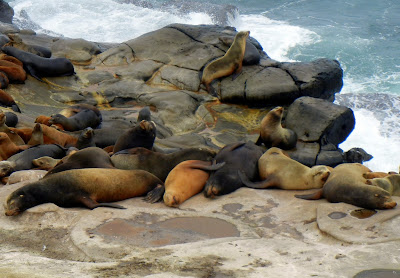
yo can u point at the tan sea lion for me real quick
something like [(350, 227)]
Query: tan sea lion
[(230, 63), (37, 136), (91, 188), (272, 134), (390, 183), (278, 170), (45, 162), (14, 137), (53, 136), (8, 147), (347, 184)]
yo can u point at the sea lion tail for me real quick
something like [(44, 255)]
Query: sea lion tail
[(313, 196), (155, 195)]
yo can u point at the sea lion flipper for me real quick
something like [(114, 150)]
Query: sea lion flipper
[(92, 204), (313, 196), (257, 185), (15, 108), (31, 71), (155, 195), (235, 146), (206, 165)]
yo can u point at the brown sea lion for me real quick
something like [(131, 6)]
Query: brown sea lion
[(91, 188), (79, 121), (15, 73), (53, 136), (3, 80), (141, 135), (86, 139), (237, 157), (91, 157), (42, 119), (37, 136), (8, 147), (272, 134), (278, 170), (346, 184), (45, 162), (159, 164), (230, 63), (390, 183), (11, 59), (7, 100), (186, 180), (14, 137), (25, 133)]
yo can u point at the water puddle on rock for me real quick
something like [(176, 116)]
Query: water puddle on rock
[(379, 273), (172, 231), (362, 213)]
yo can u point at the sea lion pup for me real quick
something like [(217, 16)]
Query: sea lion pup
[(141, 135), (37, 136), (230, 63), (79, 121), (7, 101), (40, 67), (45, 163), (278, 170), (92, 157), (390, 183), (272, 134), (159, 164), (237, 157), (14, 137), (346, 184), (14, 72), (23, 159), (53, 136), (90, 187), (8, 147), (86, 139)]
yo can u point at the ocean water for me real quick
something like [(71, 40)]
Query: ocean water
[(363, 35)]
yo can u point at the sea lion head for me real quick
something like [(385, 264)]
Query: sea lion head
[(221, 182), (6, 168), (56, 119), (18, 201), (243, 34), (171, 200), (320, 174)]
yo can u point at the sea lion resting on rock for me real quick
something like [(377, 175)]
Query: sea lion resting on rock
[(272, 134), (228, 64), (79, 121), (36, 136), (8, 147), (82, 187), (347, 184), (53, 136), (14, 137), (86, 139), (278, 170), (237, 157), (141, 135), (45, 162), (390, 183), (7, 101), (159, 164), (40, 67), (14, 72)]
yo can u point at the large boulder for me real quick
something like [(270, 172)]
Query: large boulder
[(6, 12)]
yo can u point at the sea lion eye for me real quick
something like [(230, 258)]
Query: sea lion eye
[(21, 196)]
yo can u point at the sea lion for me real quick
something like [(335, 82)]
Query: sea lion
[(272, 134), (7, 100), (23, 159), (15, 73), (91, 188), (76, 108), (53, 136), (8, 147), (45, 163), (40, 67), (390, 183), (79, 121), (278, 170), (230, 63), (11, 119), (186, 180), (13, 136), (11, 59), (91, 157), (347, 184), (159, 164), (141, 135), (4, 80), (86, 139), (144, 114), (238, 157), (17, 42), (42, 119), (37, 136)]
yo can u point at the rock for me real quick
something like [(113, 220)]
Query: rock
[(330, 158), (79, 51), (356, 155), (8, 28), (305, 153), (251, 55), (318, 120), (6, 12)]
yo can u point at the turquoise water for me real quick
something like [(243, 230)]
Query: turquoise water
[(363, 35)]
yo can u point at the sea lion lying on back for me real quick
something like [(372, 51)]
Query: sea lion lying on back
[(347, 184)]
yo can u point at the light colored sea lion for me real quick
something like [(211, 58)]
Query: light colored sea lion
[(272, 134), (346, 184), (7, 100), (13, 136), (8, 147), (53, 136), (37, 136), (390, 183), (91, 188), (230, 63), (79, 121), (45, 162), (278, 170), (141, 135)]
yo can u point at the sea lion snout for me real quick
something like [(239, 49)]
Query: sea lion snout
[(211, 191), (170, 200), (389, 205)]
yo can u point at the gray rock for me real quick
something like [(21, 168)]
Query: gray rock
[(330, 158), (305, 153), (139, 70), (6, 12), (180, 78), (79, 51)]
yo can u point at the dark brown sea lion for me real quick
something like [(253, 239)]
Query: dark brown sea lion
[(278, 170), (237, 157), (3, 80), (7, 100), (86, 139), (390, 183), (79, 121), (17, 42), (8, 147), (91, 188), (91, 157), (272, 134), (76, 108), (141, 135), (347, 184), (230, 63), (15, 73), (159, 164), (14, 137), (23, 160), (40, 67)]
